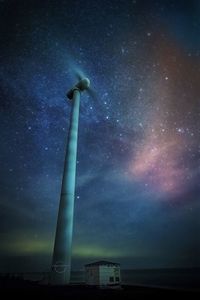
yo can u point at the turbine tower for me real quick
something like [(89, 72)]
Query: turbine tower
[(61, 264)]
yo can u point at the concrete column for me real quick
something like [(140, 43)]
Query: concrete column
[(61, 264)]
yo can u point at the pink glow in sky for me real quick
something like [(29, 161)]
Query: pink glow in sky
[(157, 163)]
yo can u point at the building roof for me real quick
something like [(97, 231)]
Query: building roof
[(102, 263)]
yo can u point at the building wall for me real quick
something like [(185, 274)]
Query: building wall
[(92, 275), (109, 275)]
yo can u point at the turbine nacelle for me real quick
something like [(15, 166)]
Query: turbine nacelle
[(82, 85)]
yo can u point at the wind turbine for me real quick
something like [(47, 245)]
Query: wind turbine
[(61, 263)]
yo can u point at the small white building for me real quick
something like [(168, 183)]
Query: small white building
[(103, 273)]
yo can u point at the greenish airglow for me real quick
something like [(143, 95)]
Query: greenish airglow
[(26, 246), (95, 252)]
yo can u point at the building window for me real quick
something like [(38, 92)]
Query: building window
[(111, 279), (117, 279)]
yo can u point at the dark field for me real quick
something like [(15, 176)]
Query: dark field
[(22, 289), (164, 282), (168, 278)]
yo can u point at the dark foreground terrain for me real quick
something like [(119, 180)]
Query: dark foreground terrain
[(24, 289)]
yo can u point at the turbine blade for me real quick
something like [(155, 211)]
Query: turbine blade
[(78, 76)]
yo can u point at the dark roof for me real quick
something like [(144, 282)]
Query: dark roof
[(102, 263)]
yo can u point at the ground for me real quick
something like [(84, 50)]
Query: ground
[(18, 287)]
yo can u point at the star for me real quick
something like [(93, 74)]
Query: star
[(138, 138)]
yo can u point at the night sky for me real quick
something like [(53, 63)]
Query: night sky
[(138, 168)]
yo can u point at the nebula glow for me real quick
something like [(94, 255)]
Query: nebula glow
[(157, 163), (138, 167)]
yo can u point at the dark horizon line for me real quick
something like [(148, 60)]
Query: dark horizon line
[(123, 269)]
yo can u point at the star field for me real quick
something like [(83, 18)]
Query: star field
[(137, 195)]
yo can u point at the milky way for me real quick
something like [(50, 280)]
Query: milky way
[(137, 195)]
